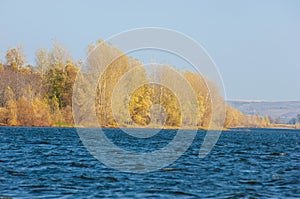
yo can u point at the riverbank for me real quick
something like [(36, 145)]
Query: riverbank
[(286, 126), (272, 126)]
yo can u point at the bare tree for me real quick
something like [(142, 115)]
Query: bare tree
[(59, 56), (41, 59), (15, 57)]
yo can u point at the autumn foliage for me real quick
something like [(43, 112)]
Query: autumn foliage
[(41, 95)]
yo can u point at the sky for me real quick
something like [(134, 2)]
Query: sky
[(255, 44)]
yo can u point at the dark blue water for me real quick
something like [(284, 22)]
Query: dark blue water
[(53, 163)]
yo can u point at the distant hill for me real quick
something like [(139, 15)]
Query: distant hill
[(280, 112)]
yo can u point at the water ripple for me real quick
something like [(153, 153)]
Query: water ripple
[(53, 163)]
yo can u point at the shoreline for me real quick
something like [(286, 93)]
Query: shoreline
[(274, 126)]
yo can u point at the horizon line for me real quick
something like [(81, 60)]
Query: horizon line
[(249, 100)]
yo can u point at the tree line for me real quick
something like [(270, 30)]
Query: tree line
[(41, 95)]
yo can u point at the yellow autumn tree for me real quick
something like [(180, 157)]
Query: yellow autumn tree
[(12, 108), (41, 110)]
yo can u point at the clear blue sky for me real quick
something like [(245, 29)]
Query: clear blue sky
[(255, 43)]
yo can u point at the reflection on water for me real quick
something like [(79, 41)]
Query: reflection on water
[(51, 163)]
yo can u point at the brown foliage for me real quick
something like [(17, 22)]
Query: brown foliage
[(25, 113)]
